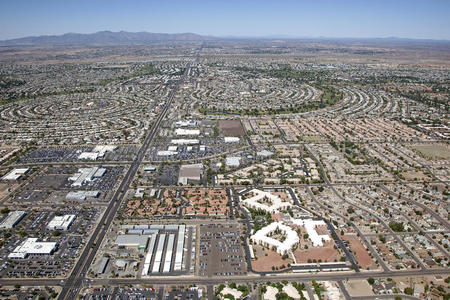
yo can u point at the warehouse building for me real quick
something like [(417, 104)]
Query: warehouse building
[(185, 132), (85, 175), (13, 218), (97, 152), (81, 195), (132, 241), (15, 174), (190, 173), (185, 142), (231, 139)]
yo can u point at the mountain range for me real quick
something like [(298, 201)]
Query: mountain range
[(133, 38), (103, 38)]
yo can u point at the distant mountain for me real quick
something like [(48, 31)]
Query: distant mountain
[(103, 38)]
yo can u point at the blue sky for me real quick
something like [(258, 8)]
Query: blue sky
[(327, 18)]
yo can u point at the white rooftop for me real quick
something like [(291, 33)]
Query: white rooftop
[(32, 246), (61, 222), (261, 200), (262, 236), (15, 174), (310, 226)]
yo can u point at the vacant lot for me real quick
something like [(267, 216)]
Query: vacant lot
[(364, 259), (266, 259), (435, 151), (231, 128), (327, 253)]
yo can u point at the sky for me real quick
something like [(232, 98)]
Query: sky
[(424, 19)]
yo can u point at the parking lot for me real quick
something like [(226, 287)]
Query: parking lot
[(220, 250), (34, 224), (121, 153)]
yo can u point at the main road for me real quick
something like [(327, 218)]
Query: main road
[(73, 284)]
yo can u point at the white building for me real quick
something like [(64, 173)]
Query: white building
[(231, 139), (185, 141), (81, 195), (61, 222), (265, 201), (98, 151), (15, 174), (185, 132), (32, 247), (188, 123), (85, 175), (310, 226), (233, 161), (13, 218), (263, 237), (190, 173), (166, 153)]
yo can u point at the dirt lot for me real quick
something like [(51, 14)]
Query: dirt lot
[(327, 253), (413, 175), (231, 128), (265, 263), (359, 288), (435, 151), (363, 257)]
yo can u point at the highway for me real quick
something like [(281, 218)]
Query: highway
[(74, 283)]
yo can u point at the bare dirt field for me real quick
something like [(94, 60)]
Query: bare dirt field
[(413, 175), (327, 253), (435, 151), (359, 288), (265, 263), (231, 128), (363, 257)]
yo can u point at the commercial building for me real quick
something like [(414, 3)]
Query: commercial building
[(185, 132), (15, 174), (81, 195), (166, 153), (132, 241), (61, 222), (13, 218), (98, 151), (32, 247), (190, 173), (264, 153), (231, 139), (85, 175), (103, 265), (185, 142), (233, 162), (186, 123)]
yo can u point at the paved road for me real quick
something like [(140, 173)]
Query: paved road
[(183, 280), (344, 290), (361, 236), (74, 282)]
